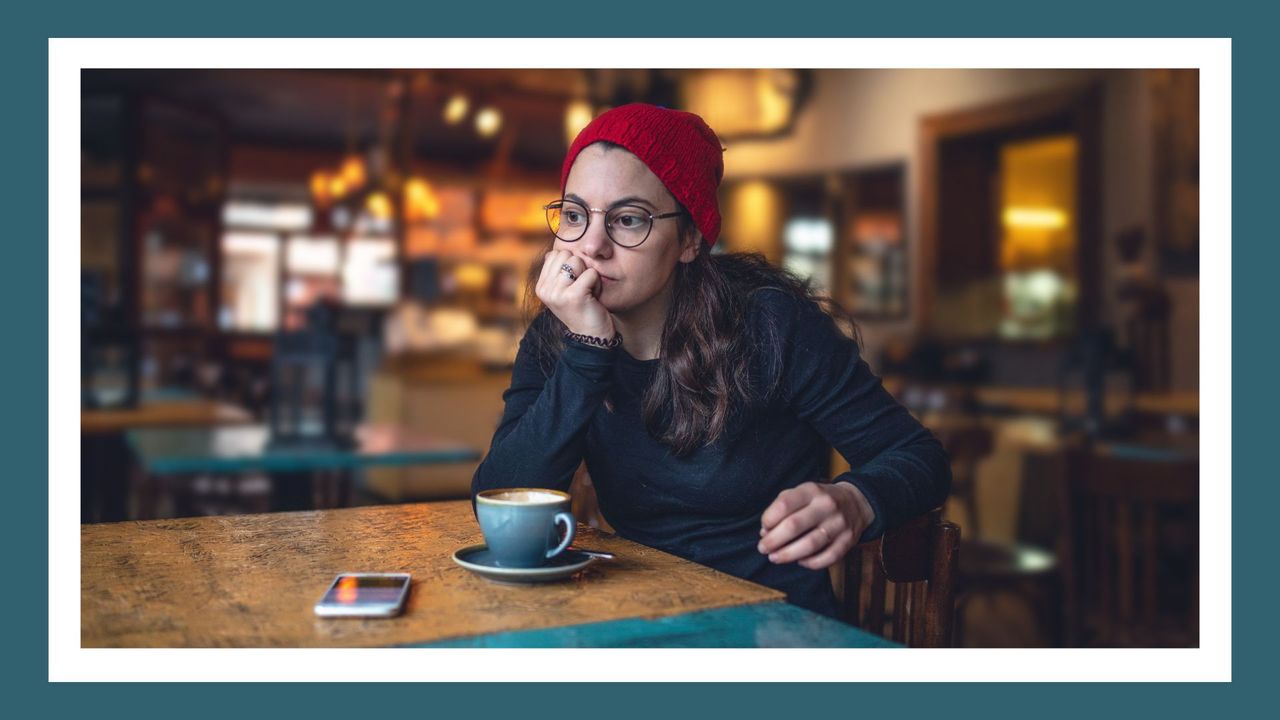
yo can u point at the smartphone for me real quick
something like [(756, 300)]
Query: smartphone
[(365, 595)]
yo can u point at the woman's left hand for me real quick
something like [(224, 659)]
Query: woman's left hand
[(814, 524)]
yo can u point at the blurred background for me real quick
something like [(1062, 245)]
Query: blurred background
[(301, 288)]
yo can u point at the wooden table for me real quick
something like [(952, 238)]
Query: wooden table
[(251, 581), (166, 413)]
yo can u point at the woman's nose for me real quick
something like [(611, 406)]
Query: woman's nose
[(595, 242)]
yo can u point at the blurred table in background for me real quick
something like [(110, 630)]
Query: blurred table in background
[(1048, 401), (1018, 482), (163, 453), (1042, 400), (104, 459), (460, 401), (1043, 468), (251, 581), (163, 413)]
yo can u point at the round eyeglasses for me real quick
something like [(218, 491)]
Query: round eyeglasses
[(626, 225)]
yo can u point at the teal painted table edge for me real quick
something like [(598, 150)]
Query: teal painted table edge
[(182, 451), (762, 625)]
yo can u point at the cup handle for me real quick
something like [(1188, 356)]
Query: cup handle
[(569, 527)]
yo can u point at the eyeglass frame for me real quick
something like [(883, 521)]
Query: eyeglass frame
[(591, 211)]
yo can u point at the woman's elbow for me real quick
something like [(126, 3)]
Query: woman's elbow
[(942, 480), (480, 480), (939, 464)]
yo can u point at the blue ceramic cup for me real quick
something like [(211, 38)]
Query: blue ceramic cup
[(520, 525)]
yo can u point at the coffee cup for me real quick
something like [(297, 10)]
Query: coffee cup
[(520, 525)]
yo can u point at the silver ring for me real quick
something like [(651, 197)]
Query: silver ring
[(567, 270), (825, 535)]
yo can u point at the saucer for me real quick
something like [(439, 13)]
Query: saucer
[(479, 560)]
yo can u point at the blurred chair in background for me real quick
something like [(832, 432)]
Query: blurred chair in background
[(1147, 309), (316, 399), (314, 383), (110, 350), (967, 445), (1103, 370), (109, 378), (986, 567), (1131, 550)]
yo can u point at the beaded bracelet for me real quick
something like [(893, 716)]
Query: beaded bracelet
[(594, 341)]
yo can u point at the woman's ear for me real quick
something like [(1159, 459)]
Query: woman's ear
[(692, 244)]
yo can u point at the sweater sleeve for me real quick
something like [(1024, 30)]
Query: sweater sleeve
[(895, 461), (540, 438)]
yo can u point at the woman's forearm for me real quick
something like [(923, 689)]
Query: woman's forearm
[(539, 442), (905, 481)]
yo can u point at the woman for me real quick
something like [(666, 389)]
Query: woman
[(703, 391)]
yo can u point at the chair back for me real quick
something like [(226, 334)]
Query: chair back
[(902, 585), (967, 445), (1130, 551), (315, 397)]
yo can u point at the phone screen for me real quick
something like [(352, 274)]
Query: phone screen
[(355, 592)]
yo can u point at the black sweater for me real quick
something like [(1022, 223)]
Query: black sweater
[(706, 506)]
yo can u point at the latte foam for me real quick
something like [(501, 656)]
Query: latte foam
[(536, 497)]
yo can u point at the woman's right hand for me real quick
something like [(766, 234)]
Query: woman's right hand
[(575, 302)]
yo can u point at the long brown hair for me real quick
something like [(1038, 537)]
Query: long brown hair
[(708, 350)]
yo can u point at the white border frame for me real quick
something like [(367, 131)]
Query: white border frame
[(1212, 661)]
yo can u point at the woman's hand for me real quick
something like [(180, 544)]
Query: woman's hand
[(814, 523), (574, 301)]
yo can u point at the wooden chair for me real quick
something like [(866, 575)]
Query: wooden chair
[(967, 445), (988, 568), (1131, 550), (315, 383), (902, 585)]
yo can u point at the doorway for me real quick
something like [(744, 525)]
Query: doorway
[(1010, 219)]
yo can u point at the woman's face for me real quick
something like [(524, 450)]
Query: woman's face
[(631, 277)]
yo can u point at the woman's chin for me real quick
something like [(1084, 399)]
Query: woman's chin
[(612, 303)]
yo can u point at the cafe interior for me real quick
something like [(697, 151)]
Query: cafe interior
[(302, 296)]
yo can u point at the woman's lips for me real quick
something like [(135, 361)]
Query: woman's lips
[(602, 275)]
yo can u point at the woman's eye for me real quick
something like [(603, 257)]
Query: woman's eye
[(573, 217), (628, 221)]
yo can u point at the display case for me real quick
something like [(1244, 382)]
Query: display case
[(181, 180), (153, 176), (871, 268)]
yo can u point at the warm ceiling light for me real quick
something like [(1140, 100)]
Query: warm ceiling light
[(488, 122), (456, 109), (337, 186), (1035, 217), (353, 171), (738, 102), (576, 117), (379, 205), (420, 202), (320, 187)]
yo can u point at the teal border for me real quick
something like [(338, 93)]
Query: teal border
[(23, 294)]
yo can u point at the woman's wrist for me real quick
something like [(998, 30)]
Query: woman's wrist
[(864, 512), (604, 343)]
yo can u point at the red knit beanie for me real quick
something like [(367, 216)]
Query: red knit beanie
[(676, 146)]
